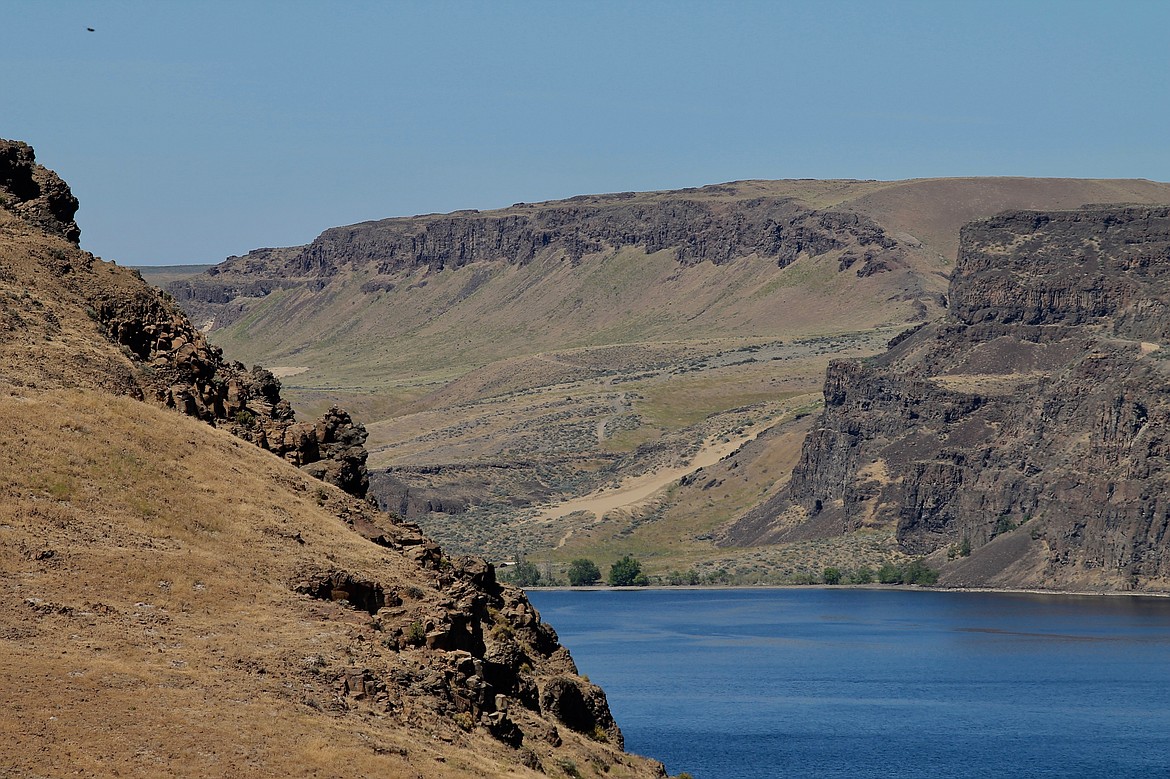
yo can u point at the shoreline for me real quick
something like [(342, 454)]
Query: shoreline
[(890, 587)]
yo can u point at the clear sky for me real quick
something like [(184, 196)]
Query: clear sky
[(195, 130)]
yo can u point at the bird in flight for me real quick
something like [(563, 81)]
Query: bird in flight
[(90, 29)]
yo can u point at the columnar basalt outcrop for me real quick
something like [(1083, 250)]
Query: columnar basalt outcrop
[(1028, 426), (697, 229)]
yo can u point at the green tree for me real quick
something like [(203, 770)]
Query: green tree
[(918, 572), (583, 572), (890, 574), (1003, 525), (523, 574), (832, 575), (863, 575), (627, 572)]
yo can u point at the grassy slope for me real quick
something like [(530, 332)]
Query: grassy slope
[(148, 623)]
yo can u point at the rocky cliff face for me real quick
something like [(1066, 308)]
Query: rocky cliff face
[(432, 644), (180, 370), (1028, 425), (697, 229)]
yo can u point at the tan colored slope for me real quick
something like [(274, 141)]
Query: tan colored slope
[(933, 210), (428, 330), (47, 335), (175, 601), (149, 624)]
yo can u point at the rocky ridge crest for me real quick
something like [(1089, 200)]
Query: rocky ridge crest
[(35, 193)]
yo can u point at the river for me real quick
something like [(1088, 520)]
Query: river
[(807, 682)]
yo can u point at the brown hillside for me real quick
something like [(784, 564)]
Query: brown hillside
[(186, 592)]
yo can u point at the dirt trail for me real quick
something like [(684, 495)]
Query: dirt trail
[(635, 490), (620, 403)]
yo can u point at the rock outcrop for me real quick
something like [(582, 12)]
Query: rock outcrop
[(35, 193), (1027, 426), (485, 655), (171, 364)]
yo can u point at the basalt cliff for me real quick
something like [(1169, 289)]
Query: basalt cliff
[(194, 582), (715, 224), (1021, 440)]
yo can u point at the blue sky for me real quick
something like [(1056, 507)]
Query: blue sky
[(191, 131)]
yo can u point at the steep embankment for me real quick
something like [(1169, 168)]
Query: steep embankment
[(421, 295), (180, 601), (1027, 426)]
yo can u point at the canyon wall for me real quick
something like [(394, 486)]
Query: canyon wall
[(1027, 427)]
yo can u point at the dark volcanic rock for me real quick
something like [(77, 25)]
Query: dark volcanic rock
[(180, 370), (35, 193), (1030, 424), (1067, 268), (698, 230)]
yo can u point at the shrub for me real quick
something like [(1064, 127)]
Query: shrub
[(416, 633), (863, 575), (1003, 525), (832, 575), (583, 572), (918, 572), (679, 578), (245, 417), (889, 574), (523, 574), (627, 572), (569, 767)]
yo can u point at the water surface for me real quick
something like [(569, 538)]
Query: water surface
[(803, 682)]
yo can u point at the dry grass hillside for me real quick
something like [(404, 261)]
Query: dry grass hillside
[(151, 625), (505, 369), (177, 601)]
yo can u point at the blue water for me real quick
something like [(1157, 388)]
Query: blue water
[(741, 684)]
